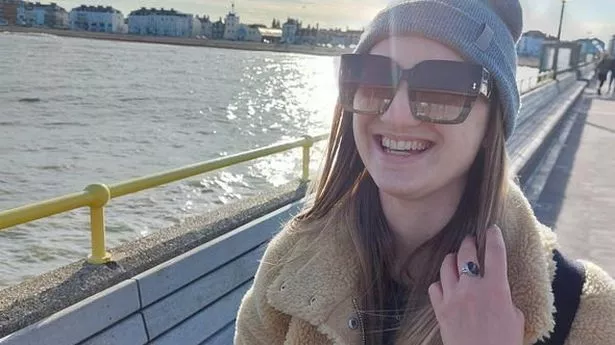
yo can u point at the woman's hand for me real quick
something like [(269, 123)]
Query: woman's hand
[(474, 310)]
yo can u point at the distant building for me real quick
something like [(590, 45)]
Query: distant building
[(206, 26), (590, 49), (612, 46), (52, 15), (163, 23), (307, 35), (337, 37), (232, 26), (289, 31), (269, 35), (96, 19), (531, 42), (234, 30), (218, 29), (12, 12)]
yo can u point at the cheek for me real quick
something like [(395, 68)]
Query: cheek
[(359, 129), (467, 136)]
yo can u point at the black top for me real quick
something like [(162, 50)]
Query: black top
[(395, 308)]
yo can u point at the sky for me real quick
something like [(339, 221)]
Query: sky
[(583, 18)]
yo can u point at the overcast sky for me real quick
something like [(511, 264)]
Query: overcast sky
[(582, 17)]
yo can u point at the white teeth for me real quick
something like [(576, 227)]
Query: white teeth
[(414, 145)]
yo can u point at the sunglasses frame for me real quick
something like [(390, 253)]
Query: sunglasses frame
[(480, 79)]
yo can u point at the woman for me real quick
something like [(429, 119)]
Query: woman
[(401, 243)]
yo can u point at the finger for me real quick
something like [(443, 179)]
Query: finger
[(435, 294), (495, 254), (448, 274), (467, 253)]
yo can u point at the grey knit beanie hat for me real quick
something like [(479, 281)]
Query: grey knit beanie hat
[(482, 31)]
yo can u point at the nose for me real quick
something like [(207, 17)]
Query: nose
[(399, 112)]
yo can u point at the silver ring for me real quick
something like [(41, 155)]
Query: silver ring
[(470, 268)]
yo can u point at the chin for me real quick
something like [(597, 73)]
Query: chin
[(404, 189)]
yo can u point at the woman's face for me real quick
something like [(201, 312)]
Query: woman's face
[(409, 158)]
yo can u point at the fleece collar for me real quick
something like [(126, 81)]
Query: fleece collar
[(321, 287)]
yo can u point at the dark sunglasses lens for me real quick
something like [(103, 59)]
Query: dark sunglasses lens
[(365, 99), (367, 83), (437, 106)]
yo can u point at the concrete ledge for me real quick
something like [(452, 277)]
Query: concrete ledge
[(528, 148), (81, 320), (42, 296), (525, 159)]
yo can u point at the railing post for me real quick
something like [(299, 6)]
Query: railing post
[(309, 141), (100, 196)]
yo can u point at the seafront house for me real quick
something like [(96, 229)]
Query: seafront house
[(530, 44), (12, 12), (217, 29), (47, 15), (163, 22), (16, 12), (206, 26), (234, 30), (337, 37), (97, 19), (289, 31)]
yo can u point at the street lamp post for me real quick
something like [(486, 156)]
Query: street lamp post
[(559, 34)]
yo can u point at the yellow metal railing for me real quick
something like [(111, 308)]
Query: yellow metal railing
[(96, 196)]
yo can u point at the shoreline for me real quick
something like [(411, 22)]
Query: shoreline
[(181, 41)]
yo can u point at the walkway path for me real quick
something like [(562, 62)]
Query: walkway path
[(579, 198)]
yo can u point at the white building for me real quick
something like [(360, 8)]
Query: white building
[(269, 35), (52, 15), (96, 19), (206, 26), (232, 26), (163, 23), (234, 30), (289, 31)]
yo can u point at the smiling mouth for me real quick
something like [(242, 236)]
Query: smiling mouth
[(404, 147)]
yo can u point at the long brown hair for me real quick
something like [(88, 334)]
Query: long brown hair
[(345, 184)]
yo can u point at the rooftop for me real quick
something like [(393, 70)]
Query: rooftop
[(101, 9), (157, 12), (52, 6), (267, 32)]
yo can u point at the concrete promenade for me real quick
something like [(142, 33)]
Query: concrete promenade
[(579, 198)]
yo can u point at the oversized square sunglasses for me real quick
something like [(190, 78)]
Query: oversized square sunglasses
[(439, 91)]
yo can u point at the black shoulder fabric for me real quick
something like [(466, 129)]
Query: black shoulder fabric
[(567, 287)]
